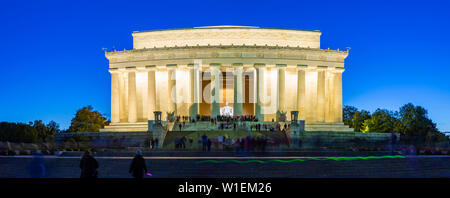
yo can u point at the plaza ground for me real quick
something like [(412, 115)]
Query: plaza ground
[(230, 166)]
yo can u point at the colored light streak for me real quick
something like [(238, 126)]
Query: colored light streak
[(302, 159)]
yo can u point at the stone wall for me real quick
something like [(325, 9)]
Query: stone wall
[(340, 139), (110, 139)]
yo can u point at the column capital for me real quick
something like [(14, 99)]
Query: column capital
[(322, 67), (194, 66), (150, 67), (161, 67), (301, 66), (114, 70), (237, 65), (337, 70), (171, 66), (182, 66), (141, 69), (215, 64), (259, 65), (310, 68), (130, 68)]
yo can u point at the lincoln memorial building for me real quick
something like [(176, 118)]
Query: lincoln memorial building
[(229, 71)]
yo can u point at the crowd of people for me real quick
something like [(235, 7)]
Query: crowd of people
[(229, 122), (219, 118), (180, 143), (222, 142), (269, 127)]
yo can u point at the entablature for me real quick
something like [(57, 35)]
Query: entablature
[(226, 52)]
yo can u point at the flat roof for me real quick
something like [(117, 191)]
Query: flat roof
[(225, 27)]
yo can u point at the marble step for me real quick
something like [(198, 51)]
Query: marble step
[(328, 127)]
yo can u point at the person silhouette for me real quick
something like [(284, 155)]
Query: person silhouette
[(37, 167), (88, 165), (138, 167)]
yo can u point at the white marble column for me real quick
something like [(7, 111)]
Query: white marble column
[(259, 111), (142, 94), (194, 90), (281, 89), (238, 90), (172, 89), (162, 91), (151, 93), (329, 96), (182, 90), (215, 91), (301, 97), (115, 96), (338, 97), (320, 116), (270, 93), (132, 98), (123, 98), (311, 78)]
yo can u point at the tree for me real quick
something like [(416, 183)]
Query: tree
[(87, 120), (381, 120), (17, 132), (416, 127), (52, 128), (45, 132), (348, 114), (359, 118), (354, 118)]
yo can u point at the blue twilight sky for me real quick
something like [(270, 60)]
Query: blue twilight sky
[(52, 63)]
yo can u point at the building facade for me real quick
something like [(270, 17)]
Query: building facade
[(238, 70)]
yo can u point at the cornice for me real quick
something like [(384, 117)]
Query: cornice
[(230, 51)]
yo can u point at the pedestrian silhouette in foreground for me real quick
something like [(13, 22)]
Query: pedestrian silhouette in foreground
[(138, 167), (37, 167), (88, 165)]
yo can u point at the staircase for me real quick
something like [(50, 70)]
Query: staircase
[(340, 127), (126, 127), (197, 126)]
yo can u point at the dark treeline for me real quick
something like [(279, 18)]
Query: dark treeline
[(86, 119), (410, 121), (32, 132)]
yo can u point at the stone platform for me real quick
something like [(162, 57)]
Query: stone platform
[(126, 127), (208, 126), (335, 127)]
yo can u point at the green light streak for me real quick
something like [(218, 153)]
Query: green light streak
[(301, 159)]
